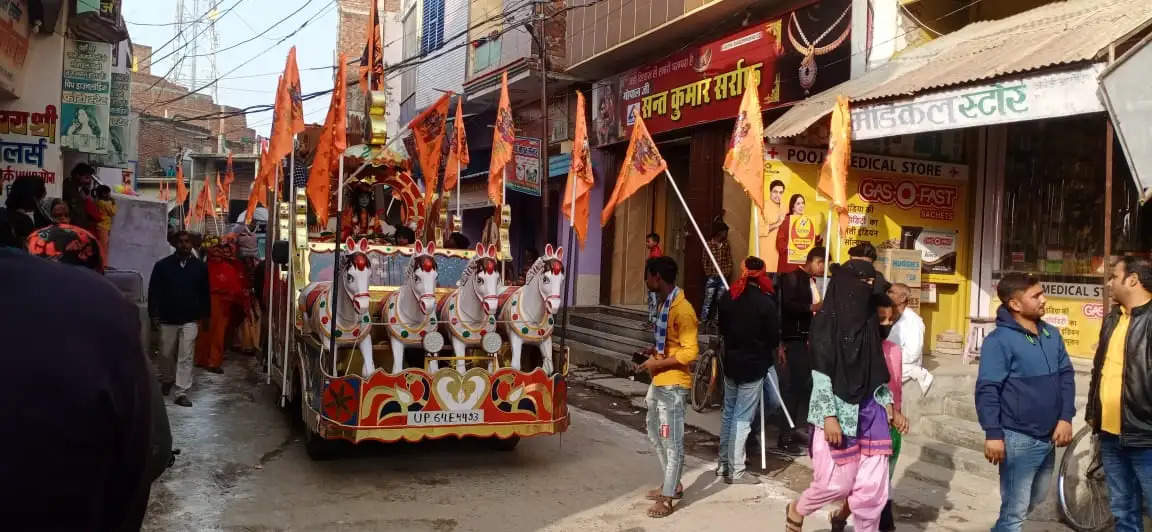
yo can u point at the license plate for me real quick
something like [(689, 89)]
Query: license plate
[(463, 417)]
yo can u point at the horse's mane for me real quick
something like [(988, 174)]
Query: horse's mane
[(473, 268), (539, 267), (414, 264)]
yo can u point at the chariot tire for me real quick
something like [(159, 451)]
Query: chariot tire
[(504, 444), (320, 449)]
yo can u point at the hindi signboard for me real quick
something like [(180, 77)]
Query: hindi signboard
[(13, 44), (705, 83), (527, 178), (1051, 95), (86, 96)]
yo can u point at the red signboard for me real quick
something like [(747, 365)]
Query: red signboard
[(800, 53)]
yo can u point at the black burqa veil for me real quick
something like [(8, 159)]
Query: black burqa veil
[(846, 332)]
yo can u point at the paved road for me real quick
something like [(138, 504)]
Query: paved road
[(243, 467)]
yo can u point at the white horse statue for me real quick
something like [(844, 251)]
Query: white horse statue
[(409, 312), (353, 323), (469, 314), (528, 314)]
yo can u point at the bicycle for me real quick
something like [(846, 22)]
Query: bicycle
[(1083, 486), (706, 388)]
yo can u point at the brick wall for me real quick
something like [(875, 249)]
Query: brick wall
[(447, 71), (143, 56), (149, 92), (351, 34), (160, 137)]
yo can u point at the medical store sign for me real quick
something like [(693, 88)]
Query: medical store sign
[(1049, 95)]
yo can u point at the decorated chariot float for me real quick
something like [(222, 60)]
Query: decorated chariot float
[(430, 342)]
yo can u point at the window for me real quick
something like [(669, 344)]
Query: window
[(486, 56), (432, 36)]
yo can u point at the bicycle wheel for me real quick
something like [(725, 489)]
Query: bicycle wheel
[(704, 381), (1083, 486)]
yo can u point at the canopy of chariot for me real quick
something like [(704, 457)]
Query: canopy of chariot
[(430, 341)]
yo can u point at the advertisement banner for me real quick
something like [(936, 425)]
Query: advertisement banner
[(13, 44), (1077, 309), (795, 55), (122, 142), (802, 238), (86, 96), (892, 203), (527, 156)]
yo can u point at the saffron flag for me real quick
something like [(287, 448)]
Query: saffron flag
[(163, 195), (642, 163), (503, 138), (745, 159), (224, 188), (203, 204), (457, 149), (220, 193), (834, 174), (580, 178), (373, 57), (428, 130), (288, 115), (329, 149), (181, 190), (259, 191)]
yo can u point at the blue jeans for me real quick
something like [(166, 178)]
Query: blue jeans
[(1129, 471), (713, 285), (666, 432), (771, 403), (1024, 478), (740, 403)]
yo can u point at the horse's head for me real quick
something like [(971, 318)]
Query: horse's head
[(357, 271), (486, 283), (552, 278), (422, 276)]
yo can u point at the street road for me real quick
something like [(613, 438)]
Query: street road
[(243, 467)]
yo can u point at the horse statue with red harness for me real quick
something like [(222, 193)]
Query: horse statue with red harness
[(528, 314), (468, 315), (410, 312), (353, 323)]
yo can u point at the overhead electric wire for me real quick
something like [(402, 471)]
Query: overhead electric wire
[(257, 36)]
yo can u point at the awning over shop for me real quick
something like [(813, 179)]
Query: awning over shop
[(1070, 34)]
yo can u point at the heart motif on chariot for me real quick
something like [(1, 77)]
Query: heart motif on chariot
[(460, 392)]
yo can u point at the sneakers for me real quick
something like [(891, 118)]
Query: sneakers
[(183, 401), (927, 384), (747, 479)]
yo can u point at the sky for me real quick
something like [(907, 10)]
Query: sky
[(253, 83)]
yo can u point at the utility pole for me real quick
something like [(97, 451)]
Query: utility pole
[(537, 33)]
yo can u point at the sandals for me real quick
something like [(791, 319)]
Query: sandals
[(838, 525), (662, 508), (790, 525)]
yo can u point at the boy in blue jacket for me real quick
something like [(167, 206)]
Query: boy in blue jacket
[(1024, 397)]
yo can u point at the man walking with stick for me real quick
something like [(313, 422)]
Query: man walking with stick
[(749, 322)]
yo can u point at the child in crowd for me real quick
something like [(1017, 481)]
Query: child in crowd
[(107, 207)]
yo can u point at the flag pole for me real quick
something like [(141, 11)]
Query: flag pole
[(826, 248), (756, 230), (270, 269), (336, 264), (699, 233), (500, 218), (568, 273), (288, 310)]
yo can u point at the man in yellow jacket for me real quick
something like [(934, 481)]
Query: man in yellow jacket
[(669, 362)]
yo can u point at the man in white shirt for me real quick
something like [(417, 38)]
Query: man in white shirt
[(908, 333)]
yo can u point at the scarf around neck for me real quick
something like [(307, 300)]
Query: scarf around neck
[(661, 332)]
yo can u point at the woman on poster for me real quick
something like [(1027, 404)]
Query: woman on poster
[(798, 234)]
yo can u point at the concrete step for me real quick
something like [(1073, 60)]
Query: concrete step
[(951, 430), (611, 323), (961, 406), (620, 312), (947, 457), (606, 360), (607, 340)]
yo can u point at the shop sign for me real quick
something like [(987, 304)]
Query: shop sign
[(1049, 95), (86, 96), (13, 43), (119, 126), (893, 202), (1124, 88), (527, 178), (1077, 309), (1091, 292), (798, 54)]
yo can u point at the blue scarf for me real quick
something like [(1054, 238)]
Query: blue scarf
[(662, 322)]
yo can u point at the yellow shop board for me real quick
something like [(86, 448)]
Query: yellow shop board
[(893, 203), (1077, 309)]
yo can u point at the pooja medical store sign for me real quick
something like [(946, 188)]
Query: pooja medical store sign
[(1051, 95), (800, 53), (892, 203)]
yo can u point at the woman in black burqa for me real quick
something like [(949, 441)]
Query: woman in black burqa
[(850, 406)]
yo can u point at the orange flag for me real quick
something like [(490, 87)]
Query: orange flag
[(163, 195), (834, 174), (220, 195), (203, 204), (503, 139), (329, 149), (181, 190), (373, 56), (457, 149), (224, 188), (580, 178), (428, 130), (642, 163), (288, 116), (745, 159), (259, 191)]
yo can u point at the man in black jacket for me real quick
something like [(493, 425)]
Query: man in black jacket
[(749, 322), (800, 299), (1120, 393), (177, 299)]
